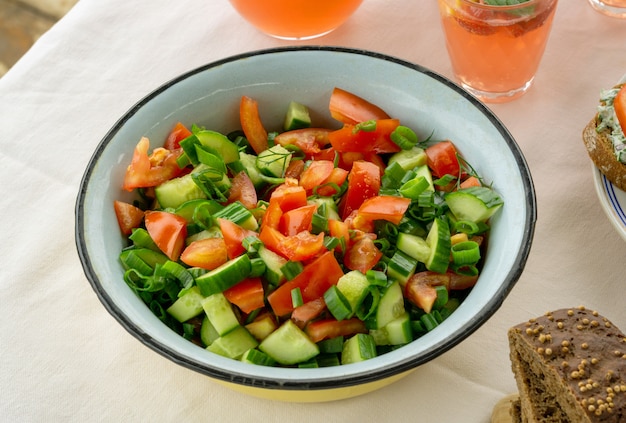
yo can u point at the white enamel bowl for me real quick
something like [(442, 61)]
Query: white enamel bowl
[(210, 96)]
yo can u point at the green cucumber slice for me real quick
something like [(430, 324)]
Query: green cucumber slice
[(409, 159), (358, 348), (390, 307), (438, 240), (476, 204), (225, 276), (273, 161), (289, 345), (175, 192), (413, 246), (219, 144), (188, 305), (233, 344), (220, 313), (297, 116)]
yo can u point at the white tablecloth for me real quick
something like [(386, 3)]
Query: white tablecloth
[(64, 358)]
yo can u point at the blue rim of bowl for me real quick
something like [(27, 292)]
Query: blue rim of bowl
[(327, 383)]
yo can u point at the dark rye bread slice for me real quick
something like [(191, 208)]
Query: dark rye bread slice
[(600, 150), (570, 367)]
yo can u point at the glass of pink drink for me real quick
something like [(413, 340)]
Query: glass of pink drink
[(615, 8), (296, 19), (495, 51)]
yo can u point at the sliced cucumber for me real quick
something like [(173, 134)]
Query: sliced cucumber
[(289, 345), (208, 334), (233, 344), (273, 265), (409, 159), (354, 286), (261, 328), (147, 256), (401, 267), (220, 313), (219, 144), (396, 332), (358, 348), (175, 192), (390, 307), (414, 246), (274, 161), (187, 209), (225, 276), (188, 305), (438, 240), (476, 204), (249, 163), (239, 214), (425, 172), (297, 116)]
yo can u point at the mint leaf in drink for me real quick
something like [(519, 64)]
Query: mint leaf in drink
[(504, 2)]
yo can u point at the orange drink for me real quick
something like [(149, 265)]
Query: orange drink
[(296, 19), (495, 50), (615, 8)]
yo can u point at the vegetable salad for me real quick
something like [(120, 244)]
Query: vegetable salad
[(310, 247)]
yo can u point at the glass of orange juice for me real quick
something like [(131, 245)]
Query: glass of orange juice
[(495, 50), (296, 19), (615, 8)]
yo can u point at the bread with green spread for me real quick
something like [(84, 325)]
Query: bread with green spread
[(605, 141)]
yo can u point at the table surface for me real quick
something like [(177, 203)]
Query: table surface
[(64, 358)]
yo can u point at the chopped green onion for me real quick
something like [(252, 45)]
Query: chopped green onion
[(141, 239), (327, 360), (429, 321), (208, 157), (296, 297), (466, 226), (337, 303), (369, 303), (331, 242), (291, 269), (131, 260), (257, 267), (444, 180), (394, 173), (404, 137), (179, 272), (319, 224), (465, 253), (442, 297), (414, 187), (376, 277), (332, 345), (465, 270), (208, 181), (251, 243), (367, 126)]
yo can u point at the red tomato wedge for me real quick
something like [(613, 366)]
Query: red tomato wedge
[(620, 107), (168, 231), (330, 328), (363, 183), (350, 108), (420, 290), (302, 246), (128, 216), (303, 314), (248, 295), (363, 255), (315, 175), (208, 253), (251, 124), (289, 197), (384, 207), (472, 181), (233, 236), (337, 177), (242, 190), (271, 216), (178, 133), (149, 171), (309, 140), (378, 140), (442, 159), (297, 220), (313, 281)]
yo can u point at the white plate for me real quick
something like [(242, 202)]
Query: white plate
[(612, 199)]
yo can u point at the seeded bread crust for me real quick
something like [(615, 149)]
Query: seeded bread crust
[(600, 150), (570, 367)]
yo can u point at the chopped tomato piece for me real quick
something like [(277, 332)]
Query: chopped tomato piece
[(233, 236), (272, 238), (302, 246), (271, 216), (208, 253), (350, 108), (363, 255), (168, 231), (248, 295), (317, 172), (242, 190), (420, 290), (309, 140), (442, 159), (149, 171), (378, 140), (459, 282), (303, 314), (619, 104), (297, 220), (331, 328), (295, 169), (289, 197), (128, 216), (251, 124), (384, 207), (178, 133), (363, 183), (472, 181), (337, 177), (313, 281), (339, 229)]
